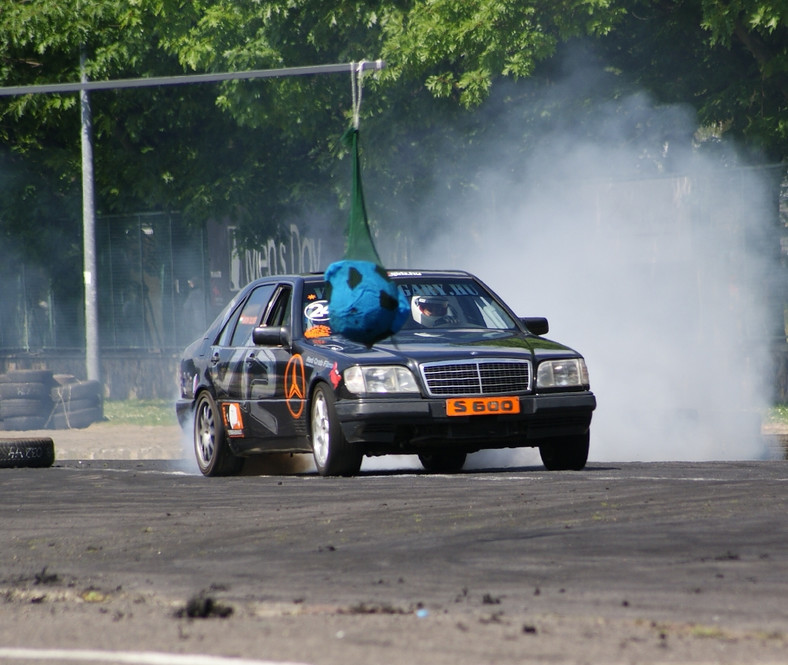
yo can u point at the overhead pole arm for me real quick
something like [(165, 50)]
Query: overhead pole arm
[(184, 79)]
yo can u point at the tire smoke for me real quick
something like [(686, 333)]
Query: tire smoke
[(653, 258)]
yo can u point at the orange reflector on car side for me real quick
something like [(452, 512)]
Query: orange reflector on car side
[(233, 419)]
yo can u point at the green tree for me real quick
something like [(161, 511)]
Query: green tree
[(461, 46), (259, 152), (729, 60)]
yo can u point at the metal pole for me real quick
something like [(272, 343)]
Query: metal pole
[(84, 84), (92, 360)]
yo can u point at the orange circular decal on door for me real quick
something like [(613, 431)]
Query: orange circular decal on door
[(295, 385)]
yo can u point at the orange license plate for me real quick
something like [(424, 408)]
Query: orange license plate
[(480, 406)]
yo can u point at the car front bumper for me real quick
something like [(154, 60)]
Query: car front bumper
[(406, 425)]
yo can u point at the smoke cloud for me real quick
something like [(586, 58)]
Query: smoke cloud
[(648, 256)]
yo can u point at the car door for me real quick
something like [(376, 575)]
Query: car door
[(231, 379), (287, 406)]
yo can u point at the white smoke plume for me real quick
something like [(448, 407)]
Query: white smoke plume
[(647, 257)]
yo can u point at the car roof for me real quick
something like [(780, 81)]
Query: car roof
[(393, 273)]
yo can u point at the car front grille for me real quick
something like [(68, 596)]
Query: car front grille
[(497, 376)]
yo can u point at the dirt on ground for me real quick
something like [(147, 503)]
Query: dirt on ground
[(108, 441), (78, 614), (776, 436), (112, 442)]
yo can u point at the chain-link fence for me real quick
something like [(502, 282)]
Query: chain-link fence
[(161, 282), (151, 290)]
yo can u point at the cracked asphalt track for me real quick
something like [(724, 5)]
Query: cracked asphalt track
[(660, 562)]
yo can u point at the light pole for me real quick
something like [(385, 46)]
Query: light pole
[(92, 356)]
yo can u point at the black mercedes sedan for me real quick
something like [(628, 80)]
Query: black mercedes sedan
[(463, 374)]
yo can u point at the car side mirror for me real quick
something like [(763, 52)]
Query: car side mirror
[(537, 325), (272, 336)]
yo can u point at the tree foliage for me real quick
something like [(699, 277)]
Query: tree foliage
[(760, 29), (259, 152), (728, 60), (461, 46)]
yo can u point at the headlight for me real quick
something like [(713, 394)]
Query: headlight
[(379, 379), (565, 373)]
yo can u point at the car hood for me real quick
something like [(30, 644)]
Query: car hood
[(431, 345)]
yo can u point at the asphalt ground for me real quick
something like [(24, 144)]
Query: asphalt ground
[(124, 560)]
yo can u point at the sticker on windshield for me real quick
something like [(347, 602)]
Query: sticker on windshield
[(316, 319), (464, 288)]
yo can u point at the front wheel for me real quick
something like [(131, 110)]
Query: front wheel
[(568, 453), (214, 456), (334, 456)]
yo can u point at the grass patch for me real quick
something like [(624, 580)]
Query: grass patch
[(777, 415), (140, 412)]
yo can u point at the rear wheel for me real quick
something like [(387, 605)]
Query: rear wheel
[(334, 456), (568, 453), (443, 461), (214, 456)]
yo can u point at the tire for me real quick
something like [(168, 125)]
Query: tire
[(566, 453), (27, 390), (24, 423), (73, 391), (76, 419), (31, 376), (334, 456), (443, 461), (213, 454), (22, 406), (75, 405), (26, 452)]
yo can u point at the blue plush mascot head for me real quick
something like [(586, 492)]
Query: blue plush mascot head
[(364, 304)]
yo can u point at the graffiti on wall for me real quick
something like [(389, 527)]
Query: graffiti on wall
[(295, 253)]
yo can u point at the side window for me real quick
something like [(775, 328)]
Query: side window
[(251, 313), (227, 331), (494, 316), (280, 311)]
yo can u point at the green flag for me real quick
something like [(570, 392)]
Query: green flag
[(358, 239)]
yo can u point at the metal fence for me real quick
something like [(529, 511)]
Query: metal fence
[(151, 290), (161, 282)]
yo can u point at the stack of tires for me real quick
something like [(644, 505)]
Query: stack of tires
[(26, 399), (32, 399), (76, 404)]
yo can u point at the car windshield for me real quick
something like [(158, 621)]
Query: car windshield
[(434, 302)]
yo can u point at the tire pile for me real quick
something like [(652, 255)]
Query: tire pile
[(32, 399)]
